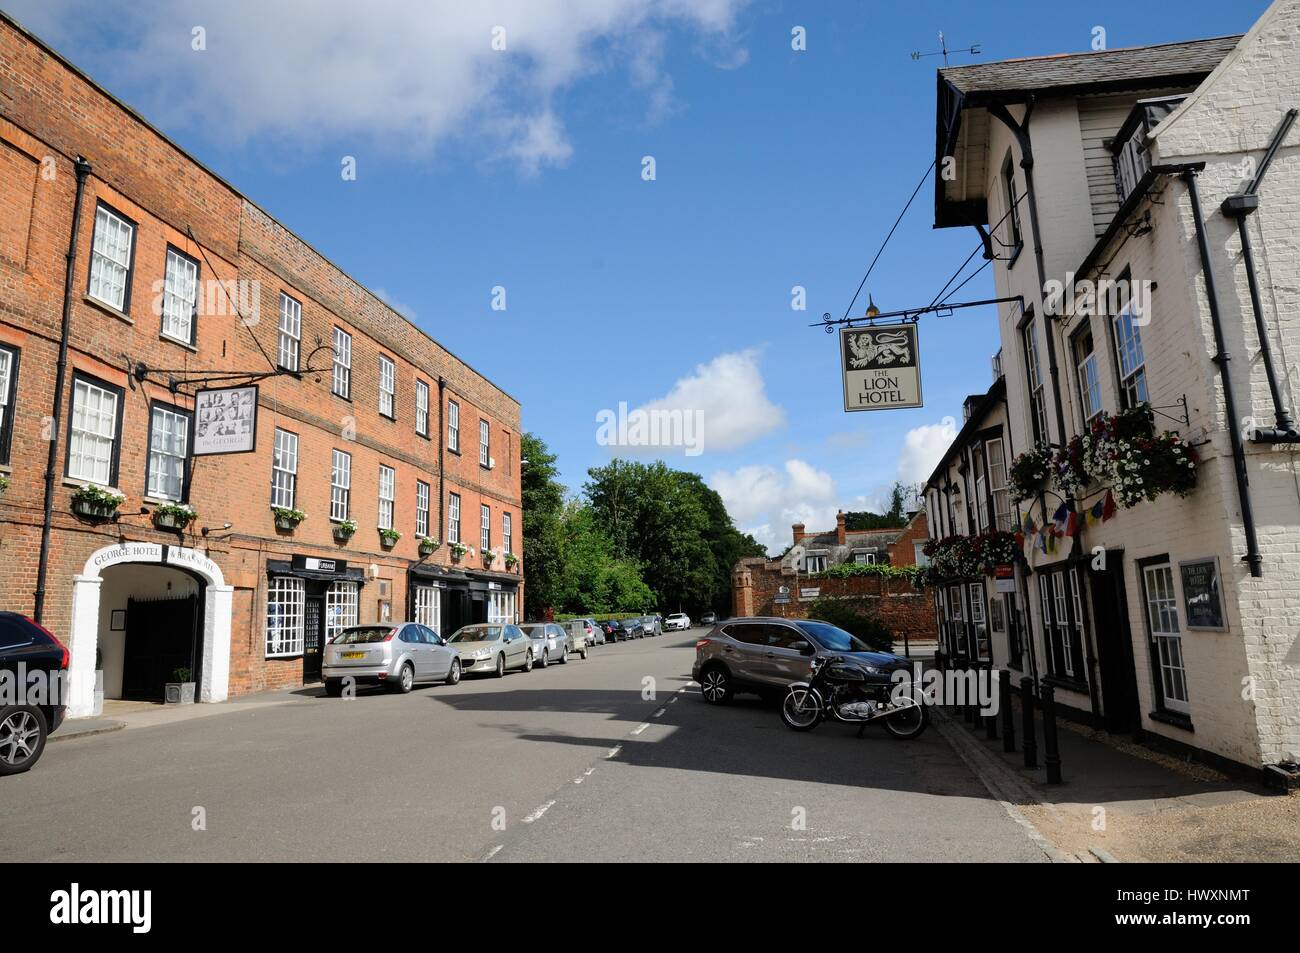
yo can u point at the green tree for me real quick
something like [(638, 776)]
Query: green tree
[(543, 505)]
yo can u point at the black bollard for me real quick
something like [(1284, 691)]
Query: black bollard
[(991, 719), (1008, 717), (1051, 750), (1027, 722)]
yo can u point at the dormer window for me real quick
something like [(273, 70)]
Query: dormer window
[(1131, 158)]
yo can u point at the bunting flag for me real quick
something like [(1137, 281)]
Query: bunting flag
[(1108, 507), (1060, 518)]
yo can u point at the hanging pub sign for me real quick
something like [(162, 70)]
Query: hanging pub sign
[(882, 367), (1202, 601), (225, 420)]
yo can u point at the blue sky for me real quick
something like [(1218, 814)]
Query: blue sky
[(522, 168)]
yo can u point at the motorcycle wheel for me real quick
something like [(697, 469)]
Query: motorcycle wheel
[(801, 710), (907, 722)]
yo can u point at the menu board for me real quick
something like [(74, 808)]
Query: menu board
[(1202, 599)]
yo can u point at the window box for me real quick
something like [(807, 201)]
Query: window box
[(511, 562), (96, 502), (344, 530), (287, 518), (175, 516), (489, 557), (458, 551), (388, 538), (427, 545)]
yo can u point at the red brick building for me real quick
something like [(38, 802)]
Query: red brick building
[(170, 296), (788, 586)]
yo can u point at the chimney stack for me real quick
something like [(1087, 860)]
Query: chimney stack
[(839, 528), (799, 534)]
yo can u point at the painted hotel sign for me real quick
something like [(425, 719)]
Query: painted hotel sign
[(882, 367)]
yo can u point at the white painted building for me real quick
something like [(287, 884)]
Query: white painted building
[(1090, 166)]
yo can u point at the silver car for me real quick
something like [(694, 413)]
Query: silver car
[(395, 655), (550, 642), (492, 647)]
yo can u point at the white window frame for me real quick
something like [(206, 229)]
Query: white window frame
[(284, 469), (387, 495), (8, 382), (453, 426), (387, 386), (501, 608), (112, 259), (507, 533), (421, 408), (1089, 378), (284, 624), (1034, 378), (814, 562), (175, 423), (996, 467), (864, 559), (421, 508), (92, 447), (485, 527), (1166, 635), (341, 602), (290, 326), (1130, 358), (340, 484), (484, 444), (453, 518), (180, 297), (428, 607), (341, 383)]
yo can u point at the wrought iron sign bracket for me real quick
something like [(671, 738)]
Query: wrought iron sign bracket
[(179, 379), (829, 324)]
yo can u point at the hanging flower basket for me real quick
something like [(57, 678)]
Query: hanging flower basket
[(174, 516), (1029, 473), (344, 530), (427, 545), (511, 562), (287, 518), (388, 538), (458, 550), (96, 502), (489, 557)]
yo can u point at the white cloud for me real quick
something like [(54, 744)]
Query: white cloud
[(765, 501), (405, 77), (923, 447), (729, 394), (405, 310)]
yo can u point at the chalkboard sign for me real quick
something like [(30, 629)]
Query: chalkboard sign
[(1202, 600)]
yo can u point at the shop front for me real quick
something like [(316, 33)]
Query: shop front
[(447, 599), (309, 601)]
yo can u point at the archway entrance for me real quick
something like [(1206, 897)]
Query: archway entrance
[(139, 612)]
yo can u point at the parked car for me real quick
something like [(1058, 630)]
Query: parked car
[(678, 621), (634, 628), (708, 618), (654, 625), (615, 632), (579, 640), (492, 647), (396, 655), (23, 727), (764, 655), (595, 634), (550, 642)]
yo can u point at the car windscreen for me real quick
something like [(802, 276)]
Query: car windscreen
[(534, 631), (833, 638), (363, 635), (477, 633)]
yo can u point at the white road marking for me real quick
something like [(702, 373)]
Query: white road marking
[(586, 774), (494, 851), (659, 713), (613, 752), (640, 728), (539, 812), (673, 700)]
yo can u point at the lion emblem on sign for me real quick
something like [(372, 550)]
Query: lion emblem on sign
[(879, 348)]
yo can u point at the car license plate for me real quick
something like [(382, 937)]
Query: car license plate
[(351, 655)]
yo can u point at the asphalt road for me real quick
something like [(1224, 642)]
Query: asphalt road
[(570, 763)]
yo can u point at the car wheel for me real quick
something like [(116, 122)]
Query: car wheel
[(22, 738), (546, 658), (453, 673), (715, 685), (564, 658), (584, 655), (334, 687), (501, 666), (406, 678), (528, 661)]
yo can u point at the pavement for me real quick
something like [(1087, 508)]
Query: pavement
[(1120, 801), (613, 758)]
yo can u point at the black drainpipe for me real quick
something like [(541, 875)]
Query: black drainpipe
[(82, 169), (1240, 207), (1253, 557), (442, 458)]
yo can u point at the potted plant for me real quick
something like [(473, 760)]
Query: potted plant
[(344, 530), (4, 484), (458, 550), (388, 538), (173, 515), (180, 690), (489, 557), (96, 502), (427, 545), (1029, 473), (511, 561), (286, 517)]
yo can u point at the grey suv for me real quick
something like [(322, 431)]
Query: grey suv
[(764, 655)]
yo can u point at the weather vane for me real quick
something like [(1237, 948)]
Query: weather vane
[(943, 50)]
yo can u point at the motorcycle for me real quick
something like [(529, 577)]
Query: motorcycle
[(850, 691)]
